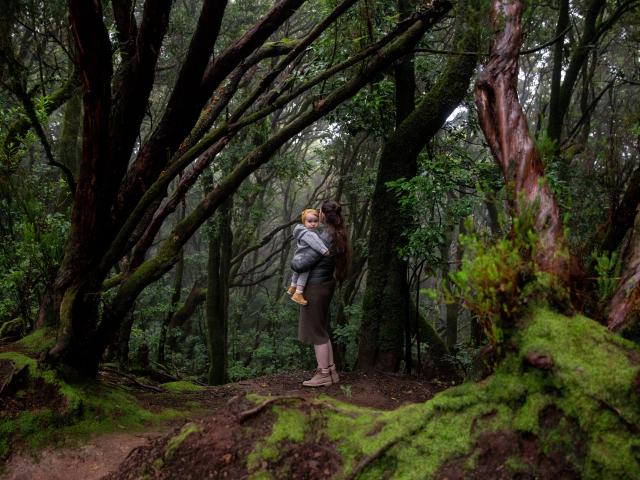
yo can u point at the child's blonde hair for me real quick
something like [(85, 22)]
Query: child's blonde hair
[(307, 211)]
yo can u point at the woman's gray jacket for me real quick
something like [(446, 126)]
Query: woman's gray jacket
[(320, 267)]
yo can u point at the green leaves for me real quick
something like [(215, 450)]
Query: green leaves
[(497, 282), (444, 192)]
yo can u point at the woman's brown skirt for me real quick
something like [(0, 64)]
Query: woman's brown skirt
[(313, 322)]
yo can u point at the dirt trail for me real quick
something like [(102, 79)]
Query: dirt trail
[(103, 454), (92, 461)]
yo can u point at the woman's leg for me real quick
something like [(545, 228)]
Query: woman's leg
[(326, 373), (324, 354)]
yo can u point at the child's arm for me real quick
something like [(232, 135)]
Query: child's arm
[(312, 239)]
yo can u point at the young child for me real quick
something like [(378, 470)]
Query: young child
[(306, 239)]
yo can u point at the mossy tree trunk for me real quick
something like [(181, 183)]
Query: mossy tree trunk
[(451, 308), (175, 298), (386, 298), (100, 171), (217, 302), (386, 301)]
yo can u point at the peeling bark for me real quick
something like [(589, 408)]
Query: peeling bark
[(507, 132), (626, 301)]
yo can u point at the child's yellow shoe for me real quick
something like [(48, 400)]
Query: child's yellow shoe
[(298, 298), (291, 290)]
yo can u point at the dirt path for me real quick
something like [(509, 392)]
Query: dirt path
[(103, 454), (92, 461)]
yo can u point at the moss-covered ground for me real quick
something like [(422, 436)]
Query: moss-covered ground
[(575, 415), (564, 402), (48, 410)]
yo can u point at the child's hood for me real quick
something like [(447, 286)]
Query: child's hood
[(300, 230)]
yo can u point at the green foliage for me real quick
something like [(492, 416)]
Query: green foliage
[(430, 200), (267, 344), (370, 110), (497, 281), (33, 230), (347, 334), (608, 267)]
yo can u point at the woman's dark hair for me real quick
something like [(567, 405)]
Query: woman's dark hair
[(332, 212)]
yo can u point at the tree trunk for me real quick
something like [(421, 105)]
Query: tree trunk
[(175, 298), (386, 298), (507, 132), (625, 302), (122, 340), (220, 242), (556, 113), (68, 149), (451, 308), (79, 279)]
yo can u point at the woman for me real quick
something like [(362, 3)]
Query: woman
[(313, 323)]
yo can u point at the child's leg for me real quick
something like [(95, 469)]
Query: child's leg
[(301, 282), (292, 286)]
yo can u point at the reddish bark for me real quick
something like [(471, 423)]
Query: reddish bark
[(507, 132), (626, 301), (90, 207)]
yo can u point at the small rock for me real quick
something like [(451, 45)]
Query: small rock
[(540, 360)]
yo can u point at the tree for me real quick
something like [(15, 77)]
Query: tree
[(114, 204), (386, 304), (507, 132)]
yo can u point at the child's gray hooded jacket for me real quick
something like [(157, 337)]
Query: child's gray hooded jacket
[(311, 247)]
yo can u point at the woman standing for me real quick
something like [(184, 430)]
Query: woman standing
[(313, 323)]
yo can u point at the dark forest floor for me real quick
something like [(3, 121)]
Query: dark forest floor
[(102, 454)]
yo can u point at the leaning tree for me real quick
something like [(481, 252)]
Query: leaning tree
[(122, 189)]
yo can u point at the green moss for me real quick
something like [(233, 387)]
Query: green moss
[(88, 408), (290, 425), (584, 406), (39, 341), (527, 418), (517, 466), (177, 440), (19, 359), (183, 386)]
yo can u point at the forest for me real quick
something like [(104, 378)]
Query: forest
[(156, 155)]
